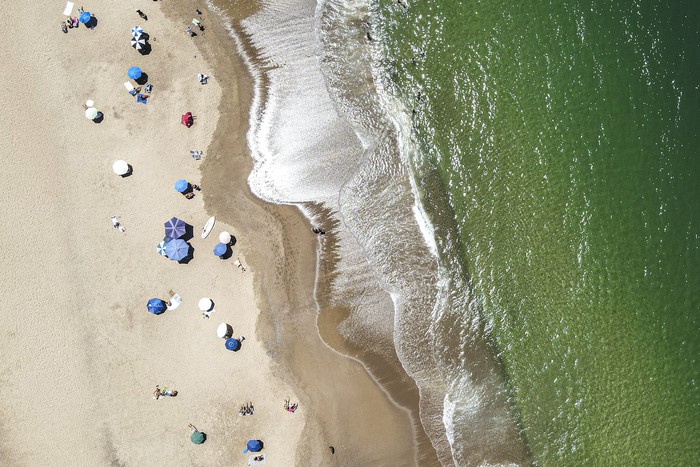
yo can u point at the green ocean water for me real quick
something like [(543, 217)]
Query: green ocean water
[(562, 137)]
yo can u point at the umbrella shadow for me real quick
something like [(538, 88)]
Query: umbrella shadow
[(145, 49), (100, 117), (92, 24), (189, 257), (233, 240), (143, 79), (228, 254), (189, 233), (129, 171)]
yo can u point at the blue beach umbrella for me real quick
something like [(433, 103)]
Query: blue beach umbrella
[(177, 249), (85, 17), (174, 228), (160, 248), (136, 31), (134, 72), (233, 344), (254, 445), (220, 249), (181, 185), (155, 306)]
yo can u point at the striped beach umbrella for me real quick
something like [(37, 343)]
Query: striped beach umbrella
[(138, 43), (160, 248), (136, 31)]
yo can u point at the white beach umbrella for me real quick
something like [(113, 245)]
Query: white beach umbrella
[(225, 237), (136, 31), (91, 113), (224, 331), (138, 43), (120, 167), (205, 304)]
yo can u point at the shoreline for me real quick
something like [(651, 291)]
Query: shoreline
[(304, 258)]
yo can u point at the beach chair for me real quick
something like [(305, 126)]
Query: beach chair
[(174, 302), (130, 87)]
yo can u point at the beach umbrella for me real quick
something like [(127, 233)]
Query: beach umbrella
[(175, 228), (198, 437), (233, 345), (181, 185), (138, 43), (120, 167), (134, 72), (85, 17), (224, 331), (254, 445), (136, 31), (155, 306), (91, 113), (225, 237), (177, 249), (220, 249), (205, 304), (160, 248)]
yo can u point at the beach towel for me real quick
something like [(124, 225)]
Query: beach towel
[(142, 99), (253, 462), (130, 87), (69, 9)]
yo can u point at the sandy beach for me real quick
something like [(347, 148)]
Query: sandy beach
[(81, 355)]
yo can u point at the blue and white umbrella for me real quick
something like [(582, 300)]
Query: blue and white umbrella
[(160, 248), (136, 31), (138, 43)]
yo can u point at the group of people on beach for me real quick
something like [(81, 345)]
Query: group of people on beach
[(246, 409)]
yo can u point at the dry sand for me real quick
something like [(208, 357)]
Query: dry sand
[(80, 354)]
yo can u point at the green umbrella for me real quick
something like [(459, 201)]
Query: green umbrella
[(198, 437)]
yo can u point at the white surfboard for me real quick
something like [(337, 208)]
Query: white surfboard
[(208, 226)]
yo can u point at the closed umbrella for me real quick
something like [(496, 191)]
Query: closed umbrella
[(160, 248), (138, 43), (91, 113), (120, 167), (85, 17), (220, 249), (181, 185), (175, 228), (134, 72), (198, 437), (205, 304), (177, 249), (136, 31), (155, 306), (233, 344), (225, 237)]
